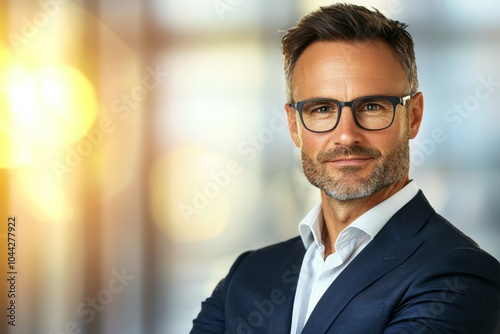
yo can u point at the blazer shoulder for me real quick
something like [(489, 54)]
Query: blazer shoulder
[(280, 247), (453, 251), (262, 266), (443, 234), (275, 254)]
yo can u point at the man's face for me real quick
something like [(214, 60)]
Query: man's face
[(350, 162)]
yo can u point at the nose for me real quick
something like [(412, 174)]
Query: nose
[(347, 132)]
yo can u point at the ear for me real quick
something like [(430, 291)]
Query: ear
[(292, 124), (415, 113)]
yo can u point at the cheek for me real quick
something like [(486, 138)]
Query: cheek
[(391, 139), (398, 130), (313, 143)]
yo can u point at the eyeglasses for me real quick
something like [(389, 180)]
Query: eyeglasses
[(371, 113)]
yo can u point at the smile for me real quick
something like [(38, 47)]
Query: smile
[(350, 161)]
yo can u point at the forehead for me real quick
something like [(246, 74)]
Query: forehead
[(347, 70)]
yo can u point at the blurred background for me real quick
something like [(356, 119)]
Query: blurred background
[(143, 146)]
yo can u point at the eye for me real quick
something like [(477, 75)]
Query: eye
[(374, 106), (323, 109), (319, 107)]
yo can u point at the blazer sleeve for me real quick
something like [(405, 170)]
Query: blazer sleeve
[(459, 292), (211, 319)]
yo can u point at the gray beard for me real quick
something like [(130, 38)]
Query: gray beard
[(388, 170)]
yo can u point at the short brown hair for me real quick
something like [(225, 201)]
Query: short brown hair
[(347, 22)]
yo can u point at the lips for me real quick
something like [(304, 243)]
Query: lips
[(348, 155), (351, 160)]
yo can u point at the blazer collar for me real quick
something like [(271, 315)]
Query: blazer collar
[(285, 284), (395, 243)]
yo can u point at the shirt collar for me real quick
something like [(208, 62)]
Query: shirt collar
[(371, 222), (310, 226)]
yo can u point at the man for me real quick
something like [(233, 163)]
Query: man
[(373, 256)]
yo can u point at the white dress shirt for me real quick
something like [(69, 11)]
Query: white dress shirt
[(317, 273)]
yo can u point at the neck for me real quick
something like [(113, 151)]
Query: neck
[(340, 214)]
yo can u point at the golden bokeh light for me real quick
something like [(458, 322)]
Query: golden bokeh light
[(52, 106), (189, 199), (64, 108), (14, 147), (46, 198)]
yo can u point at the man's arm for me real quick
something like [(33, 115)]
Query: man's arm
[(458, 292), (212, 319)]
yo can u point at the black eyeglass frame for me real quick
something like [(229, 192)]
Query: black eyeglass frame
[(396, 100)]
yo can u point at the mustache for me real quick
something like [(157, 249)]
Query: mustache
[(345, 151)]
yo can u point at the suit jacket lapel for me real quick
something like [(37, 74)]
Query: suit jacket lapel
[(284, 284), (390, 247)]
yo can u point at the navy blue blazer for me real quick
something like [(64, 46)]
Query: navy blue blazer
[(418, 275)]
